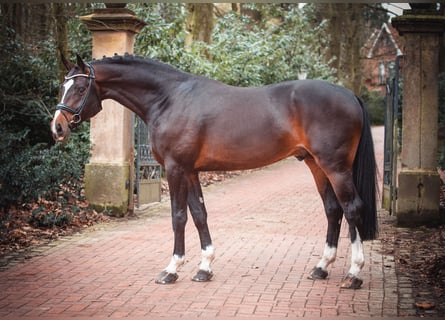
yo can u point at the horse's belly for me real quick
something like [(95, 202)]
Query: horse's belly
[(235, 164), (242, 157)]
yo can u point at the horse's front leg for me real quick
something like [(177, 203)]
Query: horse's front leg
[(177, 183), (199, 214)]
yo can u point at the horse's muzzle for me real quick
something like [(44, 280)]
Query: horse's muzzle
[(60, 130), (58, 134)]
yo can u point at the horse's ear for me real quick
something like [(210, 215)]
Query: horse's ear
[(68, 64), (80, 62)]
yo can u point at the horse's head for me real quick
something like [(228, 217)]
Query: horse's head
[(80, 99)]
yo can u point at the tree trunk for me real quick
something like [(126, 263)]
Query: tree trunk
[(345, 22), (61, 36), (335, 31), (31, 22), (199, 22), (357, 42), (15, 16)]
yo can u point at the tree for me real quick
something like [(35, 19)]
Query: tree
[(31, 22), (199, 22), (242, 51), (349, 26), (61, 36), (42, 26)]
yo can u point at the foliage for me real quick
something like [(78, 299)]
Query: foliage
[(375, 102), (349, 26), (26, 90), (58, 217), (31, 166), (163, 37), (29, 172), (79, 37), (241, 53)]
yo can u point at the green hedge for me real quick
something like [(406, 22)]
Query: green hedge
[(31, 165)]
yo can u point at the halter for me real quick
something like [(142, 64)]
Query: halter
[(76, 119)]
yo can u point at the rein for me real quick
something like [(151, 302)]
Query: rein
[(76, 119)]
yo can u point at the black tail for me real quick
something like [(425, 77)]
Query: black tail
[(365, 170)]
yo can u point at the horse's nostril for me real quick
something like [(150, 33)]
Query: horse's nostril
[(59, 129)]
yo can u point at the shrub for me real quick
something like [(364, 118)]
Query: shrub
[(376, 103), (31, 166), (29, 172), (241, 53)]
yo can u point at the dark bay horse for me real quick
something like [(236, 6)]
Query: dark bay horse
[(198, 124)]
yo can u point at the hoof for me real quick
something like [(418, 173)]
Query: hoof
[(203, 276), (166, 278), (318, 274), (351, 282)]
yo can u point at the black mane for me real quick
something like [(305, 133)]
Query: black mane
[(135, 59)]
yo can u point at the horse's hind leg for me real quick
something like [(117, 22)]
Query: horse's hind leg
[(352, 205), (334, 214), (199, 213)]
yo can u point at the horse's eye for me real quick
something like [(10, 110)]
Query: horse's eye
[(82, 90)]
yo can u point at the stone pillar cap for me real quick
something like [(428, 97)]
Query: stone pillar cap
[(113, 19)]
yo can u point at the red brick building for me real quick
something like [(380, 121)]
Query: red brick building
[(378, 56)]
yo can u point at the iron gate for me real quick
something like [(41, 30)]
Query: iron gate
[(148, 171), (391, 143)]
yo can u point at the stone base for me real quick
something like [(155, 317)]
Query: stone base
[(418, 198), (387, 198), (149, 191), (107, 186)]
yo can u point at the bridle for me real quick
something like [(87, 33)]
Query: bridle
[(76, 119)]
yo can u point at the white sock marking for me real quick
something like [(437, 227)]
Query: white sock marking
[(357, 256), (329, 255), (175, 262), (208, 255)]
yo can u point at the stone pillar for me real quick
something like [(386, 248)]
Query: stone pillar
[(108, 175), (418, 180)]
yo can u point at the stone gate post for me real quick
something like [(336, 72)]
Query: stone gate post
[(108, 175), (418, 180)]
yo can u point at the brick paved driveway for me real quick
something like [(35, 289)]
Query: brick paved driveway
[(268, 228)]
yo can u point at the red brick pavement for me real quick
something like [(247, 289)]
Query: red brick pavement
[(268, 229)]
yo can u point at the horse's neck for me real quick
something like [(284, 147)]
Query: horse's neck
[(140, 89)]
